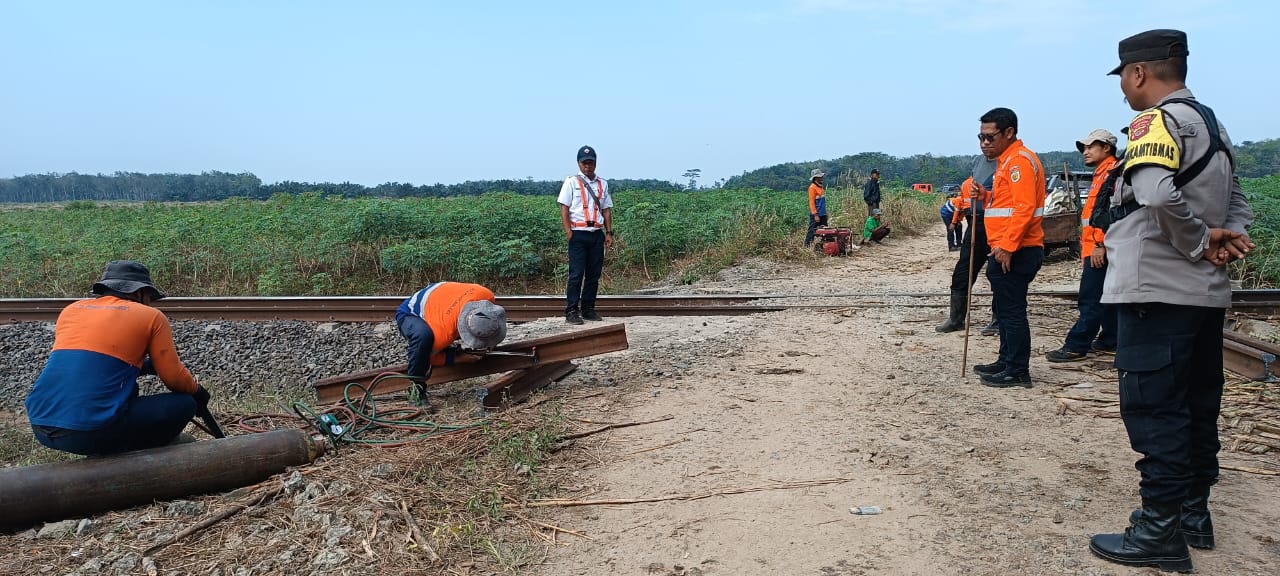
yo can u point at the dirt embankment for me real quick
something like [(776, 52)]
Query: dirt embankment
[(971, 480)]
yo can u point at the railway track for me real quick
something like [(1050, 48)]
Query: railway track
[(527, 308)]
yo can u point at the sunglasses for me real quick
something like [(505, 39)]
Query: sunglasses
[(988, 137)]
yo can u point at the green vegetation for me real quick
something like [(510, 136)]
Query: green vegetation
[(1262, 268), (313, 244)]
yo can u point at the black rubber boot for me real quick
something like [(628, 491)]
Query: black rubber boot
[(1196, 522), (955, 320), (1155, 540)]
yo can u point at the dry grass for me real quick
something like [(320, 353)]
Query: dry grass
[(429, 507)]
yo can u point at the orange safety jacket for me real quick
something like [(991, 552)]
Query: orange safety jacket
[(1016, 208), (593, 217), (1090, 237), (963, 202)]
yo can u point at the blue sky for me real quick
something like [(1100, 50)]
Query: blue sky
[(427, 92)]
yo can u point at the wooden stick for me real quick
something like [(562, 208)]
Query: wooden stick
[(611, 427), (656, 447), (682, 497), (221, 515), (553, 528), (1250, 470), (417, 534), (968, 293), (1257, 440)]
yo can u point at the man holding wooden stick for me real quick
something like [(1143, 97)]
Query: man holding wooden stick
[(1017, 243)]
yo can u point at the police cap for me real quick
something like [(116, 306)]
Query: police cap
[(1150, 46)]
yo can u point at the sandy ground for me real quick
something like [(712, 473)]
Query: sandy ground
[(861, 406)]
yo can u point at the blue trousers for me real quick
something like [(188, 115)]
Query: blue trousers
[(1009, 290), (145, 422), (586, 262), (1170, 363), (419, 340), (813, 227), (1096, 319)]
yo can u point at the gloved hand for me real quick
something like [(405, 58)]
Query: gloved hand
[(201, 396)]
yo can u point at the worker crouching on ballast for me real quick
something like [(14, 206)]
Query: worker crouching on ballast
[(86, 400)]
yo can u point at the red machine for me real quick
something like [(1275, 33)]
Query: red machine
[(834, 241)]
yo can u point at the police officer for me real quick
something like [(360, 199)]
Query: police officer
[(1177, 219), (1016, 239)]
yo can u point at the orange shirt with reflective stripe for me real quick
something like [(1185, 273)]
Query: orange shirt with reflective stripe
[(1090, 236), (441, 311), (1018, 190), (962, 202)]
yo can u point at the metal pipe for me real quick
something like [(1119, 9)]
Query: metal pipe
[(83, 487)]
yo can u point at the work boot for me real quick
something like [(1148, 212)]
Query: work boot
[(1196, 522), (1009, 378), (992, 368), (1064, 355), (590, 314), (1155, 540), (955, 319), (573, 317), (991, 329)]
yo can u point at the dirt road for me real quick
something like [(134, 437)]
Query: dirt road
[(811, 413)]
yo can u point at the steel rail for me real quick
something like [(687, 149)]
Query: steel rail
[(519, 308)]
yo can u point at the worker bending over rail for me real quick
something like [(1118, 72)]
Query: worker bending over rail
[(436, 316)]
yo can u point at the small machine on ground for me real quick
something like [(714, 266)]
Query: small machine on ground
[(834, 241)]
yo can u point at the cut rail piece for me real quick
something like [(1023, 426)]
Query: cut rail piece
[(550, 350), (517, 385), (1248, 361)]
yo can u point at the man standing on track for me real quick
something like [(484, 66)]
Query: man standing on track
[(586, 212)]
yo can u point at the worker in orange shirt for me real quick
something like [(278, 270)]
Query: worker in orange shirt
[(1014, 233), (817, 204), (953, 218), (445, 323), (1099, 150), (86, 399)]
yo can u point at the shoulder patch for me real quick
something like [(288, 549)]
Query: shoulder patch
[(1014, 174), (1150, 142)]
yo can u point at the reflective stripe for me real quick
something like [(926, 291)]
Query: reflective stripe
[(1008, 213), (420, 298), (1084, 221), (586, 212)]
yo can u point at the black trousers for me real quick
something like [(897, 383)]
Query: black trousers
[(1170, 363), (1009, 290), (960, 279), (586, 262)]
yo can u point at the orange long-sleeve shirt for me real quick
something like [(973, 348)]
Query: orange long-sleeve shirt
[(817, 199), (1016, 209), (1090, 237)]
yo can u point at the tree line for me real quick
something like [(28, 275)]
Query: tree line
[(1253, 159)]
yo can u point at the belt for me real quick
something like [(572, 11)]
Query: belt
[(1008, 212)]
